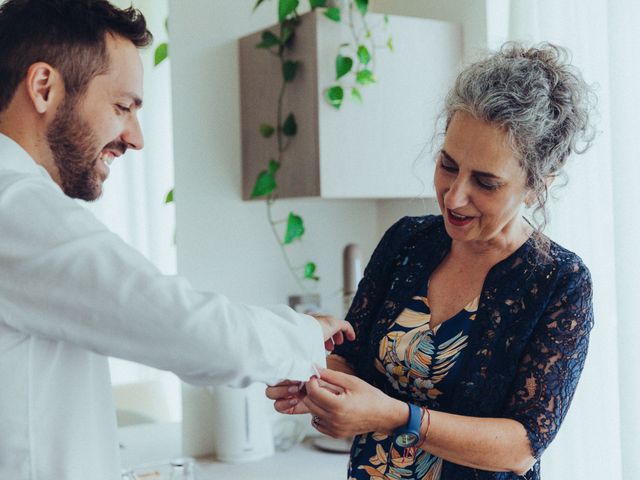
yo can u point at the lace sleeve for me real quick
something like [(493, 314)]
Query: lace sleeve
[(553, 360), (368, 298)]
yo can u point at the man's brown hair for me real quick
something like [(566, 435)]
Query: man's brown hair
[(70, 35)]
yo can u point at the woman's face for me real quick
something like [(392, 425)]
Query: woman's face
[(480, 184)]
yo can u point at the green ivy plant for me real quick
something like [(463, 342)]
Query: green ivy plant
[(355, 61), (350, 74), (160, 54), (355, 67)]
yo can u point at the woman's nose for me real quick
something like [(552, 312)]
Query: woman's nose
[(457, 196)]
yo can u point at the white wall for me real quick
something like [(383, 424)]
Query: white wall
[(470, 13)]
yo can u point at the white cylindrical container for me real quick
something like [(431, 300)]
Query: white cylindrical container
[(242, 418)]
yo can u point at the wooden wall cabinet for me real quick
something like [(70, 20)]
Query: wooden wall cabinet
[(364, 150)]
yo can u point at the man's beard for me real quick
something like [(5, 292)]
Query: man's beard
[(75, 152)]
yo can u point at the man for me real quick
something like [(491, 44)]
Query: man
[(71, 292)]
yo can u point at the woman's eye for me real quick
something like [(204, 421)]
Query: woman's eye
[(450, 167), (123, 108), (487, 185)]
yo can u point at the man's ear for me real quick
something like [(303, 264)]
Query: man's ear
[(45, 86)]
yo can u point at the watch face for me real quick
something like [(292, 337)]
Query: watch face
[(406, 439)]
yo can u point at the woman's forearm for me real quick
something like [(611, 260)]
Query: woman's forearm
[(494, 444)]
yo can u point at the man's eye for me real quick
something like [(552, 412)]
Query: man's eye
[(123, 108)]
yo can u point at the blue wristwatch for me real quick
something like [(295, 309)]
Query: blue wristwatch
[(409, 435)]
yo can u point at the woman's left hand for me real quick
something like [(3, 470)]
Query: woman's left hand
[(344, 405)]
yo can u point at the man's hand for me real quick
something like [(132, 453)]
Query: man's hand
[(334, 330)]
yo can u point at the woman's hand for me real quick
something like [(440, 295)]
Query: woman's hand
[(344, 405), (288, 396)]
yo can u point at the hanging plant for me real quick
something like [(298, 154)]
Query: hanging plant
[(355, 63), (355, 67)]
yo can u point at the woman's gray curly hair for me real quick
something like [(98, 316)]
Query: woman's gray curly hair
[(541, 102)]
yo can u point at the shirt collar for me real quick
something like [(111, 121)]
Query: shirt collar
[(14, 157)]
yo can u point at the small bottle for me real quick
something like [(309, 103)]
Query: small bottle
[(182, 469), (351, 274)]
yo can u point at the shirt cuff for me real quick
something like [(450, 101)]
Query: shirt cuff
[(313, 347)]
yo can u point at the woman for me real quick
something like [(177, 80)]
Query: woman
[(472, 327)]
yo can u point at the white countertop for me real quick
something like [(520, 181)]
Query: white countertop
[(303, 461)]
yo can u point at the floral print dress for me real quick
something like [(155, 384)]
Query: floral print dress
[(422, 364)]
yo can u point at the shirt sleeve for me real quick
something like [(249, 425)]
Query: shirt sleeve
[(553, 360), (67, 278), (368, 299)]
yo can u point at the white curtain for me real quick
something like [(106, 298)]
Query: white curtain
[(595, 216), (132, 204)]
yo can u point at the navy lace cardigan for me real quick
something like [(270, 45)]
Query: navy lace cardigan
[(528, 344)]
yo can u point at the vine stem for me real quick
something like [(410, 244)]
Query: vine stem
[(352, 28), (287, 260), (281, 148), (283, 88)]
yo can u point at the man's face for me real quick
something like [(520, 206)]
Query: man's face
[(90, 131)]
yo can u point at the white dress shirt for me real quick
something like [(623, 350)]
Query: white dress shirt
[(73, 293)]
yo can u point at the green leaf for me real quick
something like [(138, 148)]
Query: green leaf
[(286, 8), (289, 69), (390, 44), (274, 166), (295, 228), (335, 95), (290, 127), (386, 19), (363, 55), (257, 4), (310, 270), (269, 39), (169, 197), (333, 13), (362, 5), (161, 53), (265, 184), (317, 4), (343, 66), (365, 77), (355, 94), (266, 130)]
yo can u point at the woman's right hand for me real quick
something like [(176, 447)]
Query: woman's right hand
[(288, 396)]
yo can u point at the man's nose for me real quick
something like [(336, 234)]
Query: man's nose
[(132, 134)]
